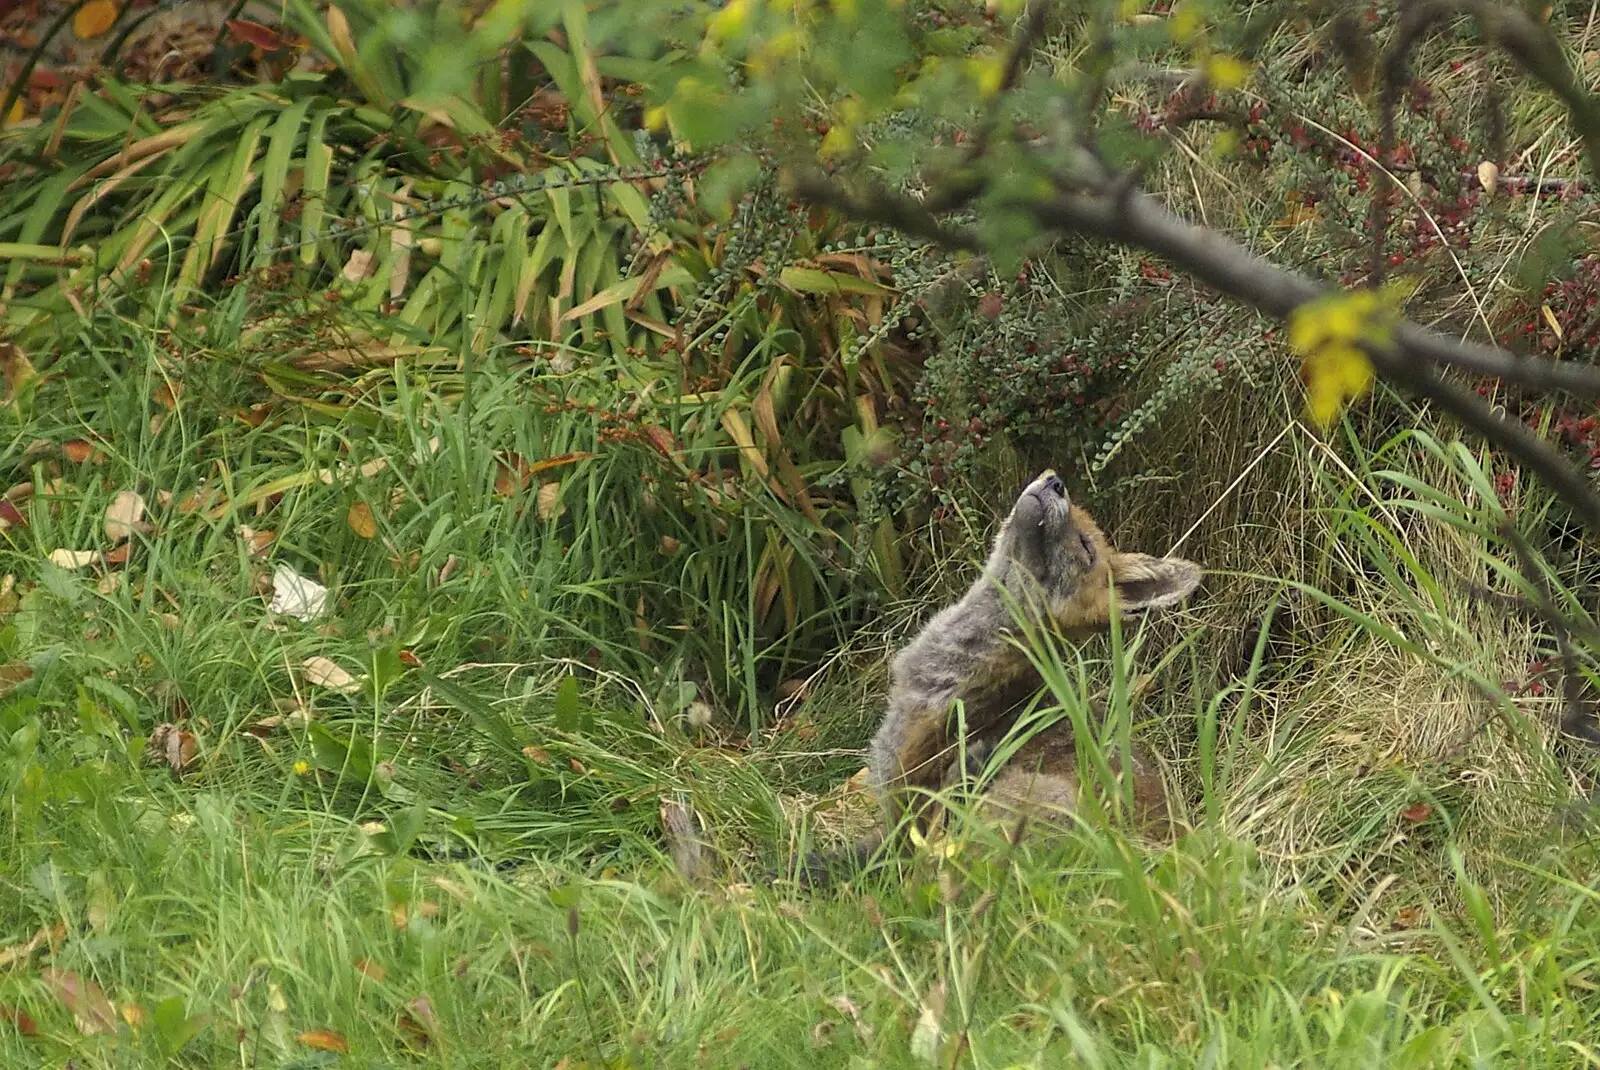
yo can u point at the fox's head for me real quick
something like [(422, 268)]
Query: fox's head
[(1052, 550)]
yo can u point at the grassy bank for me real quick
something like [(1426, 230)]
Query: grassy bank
[(448, 849)]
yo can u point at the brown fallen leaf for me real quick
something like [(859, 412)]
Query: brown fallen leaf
[(324, 672), (253, 33), (371, 969), (256, 543), (79, 451), (174, 745), (13, 673), (16, 371), (1417, 812), (417, 1022), (168, 394), (265, 727), (511, 475), (549, 501), (91, 1011), (324, 1040), (20, 1019), (361, 520)]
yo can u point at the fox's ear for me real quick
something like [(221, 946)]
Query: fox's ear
[(1144, 582)]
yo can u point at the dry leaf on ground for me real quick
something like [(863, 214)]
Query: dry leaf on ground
[(359, 266), (1488, 176), (94, 18), (13, 673), (73, 559), (123, 515), (324, 1040), (361, 520), (20, 1019), (256, 543), (549, 501), (295, 596), (371, 969), (15, 369), (511, 475), (324, 672), (79, 451), (91, 1010), (176, 746), (417, 1022)]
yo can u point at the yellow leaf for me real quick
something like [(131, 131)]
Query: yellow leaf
[(94, 18), (729, 21), (989, 73), (1329, 334), (655, 119), (838, 141), (361, 520), (15, 115), (1186, 21), (1225, 142), (1227, 72), (1336, 375)]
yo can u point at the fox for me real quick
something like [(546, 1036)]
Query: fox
[(1052, 560)]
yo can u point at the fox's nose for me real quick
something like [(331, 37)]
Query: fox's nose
[(1054, 485)]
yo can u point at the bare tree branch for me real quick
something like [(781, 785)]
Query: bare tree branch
[(1094, 200)]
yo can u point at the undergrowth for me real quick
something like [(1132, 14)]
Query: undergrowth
[(227, 855)]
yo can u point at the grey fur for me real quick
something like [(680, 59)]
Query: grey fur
[(1052, 559)]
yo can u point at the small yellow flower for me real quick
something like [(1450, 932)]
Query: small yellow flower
[(302, 767), (655, 119), (1227, 72)]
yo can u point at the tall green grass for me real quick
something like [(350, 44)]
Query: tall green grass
[(1385, 866)]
